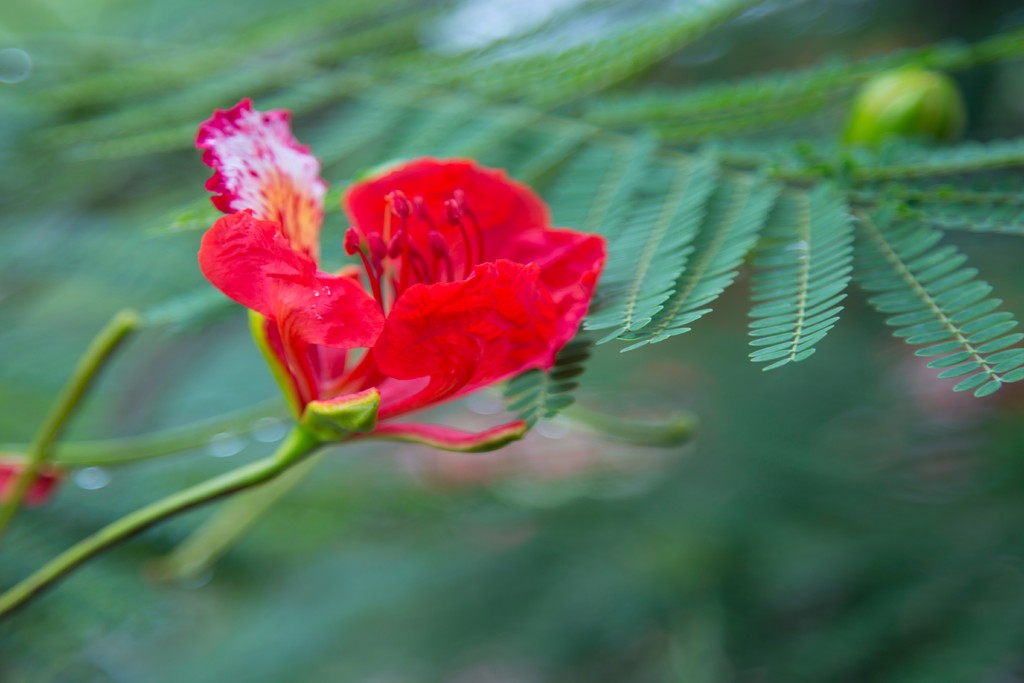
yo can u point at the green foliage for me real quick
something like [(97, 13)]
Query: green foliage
[(974, 207), (801, 275), (651, 247), (537, 394), (934, 301), (594, 188), (909, 162), (736, 213), (553, 78), (750, 104), (821, 542)]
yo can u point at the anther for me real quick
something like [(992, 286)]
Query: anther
[(353, 246), (400, 204), (452, 211), (439, 247), (460, 200), (351, 242), (454, 214), (421, 212), (437, 244), (395, 248), (378, 250)]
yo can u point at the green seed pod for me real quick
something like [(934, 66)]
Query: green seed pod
[(909, 103)]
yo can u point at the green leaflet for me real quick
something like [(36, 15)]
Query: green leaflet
[(932, 300), (903, 162), (800, 275), (593, 190), (975, 206), (555, 77), (651, 248), (736, 213), (536, 394), (755, 102)]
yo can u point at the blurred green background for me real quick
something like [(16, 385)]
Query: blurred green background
[(845, 519)]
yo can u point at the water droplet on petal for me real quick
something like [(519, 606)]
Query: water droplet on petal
[(15, 65), (91, 478), (316, 292), (224, 445), (268, 430)]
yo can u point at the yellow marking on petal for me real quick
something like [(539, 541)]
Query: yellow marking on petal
[(298, 213)]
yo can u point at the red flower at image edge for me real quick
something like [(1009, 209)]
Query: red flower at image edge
[(463, 282), (43, 485)]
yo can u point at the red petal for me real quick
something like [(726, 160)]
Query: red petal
[(241, 255), (502, 206), (328, 310), (570, 263), (465, 335), (449, 439), (252, 263), (258, 165)]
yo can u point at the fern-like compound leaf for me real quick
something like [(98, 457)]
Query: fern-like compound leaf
[(908, 162), (551, 78), (651, 248), (934, 302), (594, 187), (975, 207), (536, 394), (725, 108), (801, 275), (736, 213)]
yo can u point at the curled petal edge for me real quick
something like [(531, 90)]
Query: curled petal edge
[(451, 439), (259, 165)]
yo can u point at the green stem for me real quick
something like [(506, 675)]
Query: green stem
[(209, 542), (99, 351), (297, 446), (132, 448), (675, 431)]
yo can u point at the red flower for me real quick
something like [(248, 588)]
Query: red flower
[(463, 281), (42, 487)]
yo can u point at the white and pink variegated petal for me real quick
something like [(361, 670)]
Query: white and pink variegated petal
[(259, 165)]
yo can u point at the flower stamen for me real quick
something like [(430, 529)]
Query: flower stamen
[(451, 208), (355, 245), (460, 199), (440, 250)]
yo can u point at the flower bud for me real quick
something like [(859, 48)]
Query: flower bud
[(910, 103)]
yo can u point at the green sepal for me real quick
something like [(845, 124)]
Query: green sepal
[(340, 417), (280, 372)]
